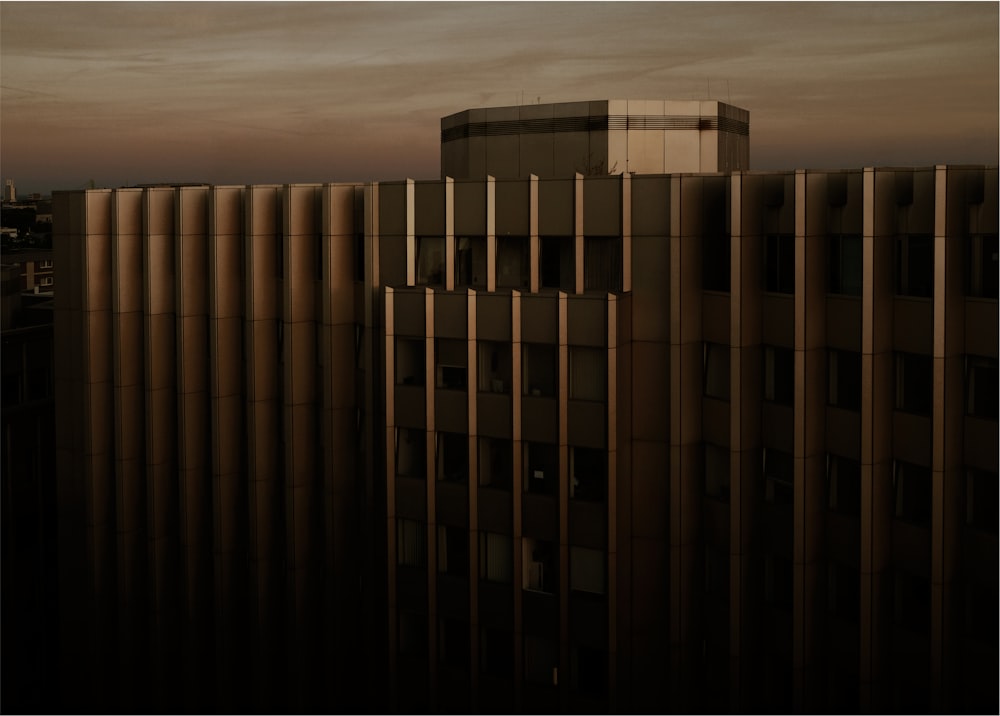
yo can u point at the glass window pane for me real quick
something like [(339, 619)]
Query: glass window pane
[(602, 263), (587, 569), (494, 367), (430, 261), (470, 262), (716, 358), (587, 373), (409, 361), (540, 370), (513, 262), (588, 474)]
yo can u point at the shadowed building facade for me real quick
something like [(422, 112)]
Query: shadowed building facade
[(210, 483), (692, 442), (533, 438)]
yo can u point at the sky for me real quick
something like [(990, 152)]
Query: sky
[(255, 92)]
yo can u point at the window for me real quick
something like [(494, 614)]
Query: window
[(412, 635), (541, 473), (318, 257), (430, 261), (38, 370), (588, 368), (453, 642), (778, 582), (715, 262), (716, 571), (496, 463), (43, 265), (589, 668), (779, 263), (587, 570), (843, 592), (557, 267), (540, 369), (844, 259), (513, 262), (496, 652), (843, 485), (541, 660), (496, 557), (411, 543), (981, 612), (914, 383), (602, 263), (981, 266), (915, 265), (982, 388), (588, 471), (912, 493), (359, 256), (844, 379), (359, 334), (716, 358), (411, 453), (494, 367), (46, 280), (451, 358), (12, 392), (779, 477), (716, 472), (539, 565), (779, 375), (409, 361), (912, 602), (453, 550), (981, 499), (279, 252), (453, 457), (470, 262)]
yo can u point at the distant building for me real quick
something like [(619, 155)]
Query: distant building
[(28, 484), (709, 441), (593, 138), (37, 273), (9, 192)]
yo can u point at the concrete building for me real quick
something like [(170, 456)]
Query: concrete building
[(209, 494), (27, 483), (533, 438), (593, 138)]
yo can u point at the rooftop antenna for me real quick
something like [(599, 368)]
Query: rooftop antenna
[(729, 97)]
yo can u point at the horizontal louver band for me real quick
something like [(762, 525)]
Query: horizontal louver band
[(592, 124)]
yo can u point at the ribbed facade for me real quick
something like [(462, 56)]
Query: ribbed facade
[(210, 481), (658, 442)]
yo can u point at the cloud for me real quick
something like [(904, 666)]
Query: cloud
[(301, 84)]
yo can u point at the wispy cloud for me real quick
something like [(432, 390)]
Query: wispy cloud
[(297, 88)]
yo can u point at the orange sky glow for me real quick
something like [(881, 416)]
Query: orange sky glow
[(125, 93)]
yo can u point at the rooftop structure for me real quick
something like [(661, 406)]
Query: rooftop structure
[(594, 138)]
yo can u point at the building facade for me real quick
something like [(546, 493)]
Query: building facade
[(683, 442)]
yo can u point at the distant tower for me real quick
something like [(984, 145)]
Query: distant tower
[(9, 193)]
